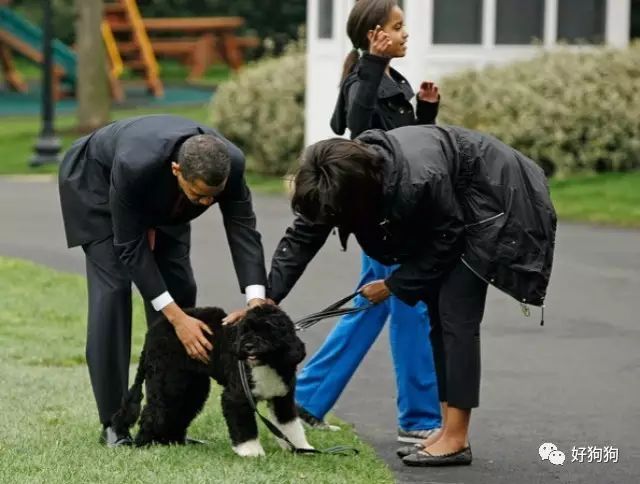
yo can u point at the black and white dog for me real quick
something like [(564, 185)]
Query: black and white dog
[(178, 386)]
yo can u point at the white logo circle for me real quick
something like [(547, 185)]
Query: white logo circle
[(546, 449), (557, 458)]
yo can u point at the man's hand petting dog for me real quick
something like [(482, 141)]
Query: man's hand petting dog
[(235, 316), (190, 332)]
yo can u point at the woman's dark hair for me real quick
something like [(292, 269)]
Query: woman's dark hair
[(338, 183), (364, 16)]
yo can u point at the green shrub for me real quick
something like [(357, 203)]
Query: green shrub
[(570, 111), (261, 109)]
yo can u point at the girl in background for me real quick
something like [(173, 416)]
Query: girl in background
[(374, 95)]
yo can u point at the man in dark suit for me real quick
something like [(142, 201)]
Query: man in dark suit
[(128, 192)]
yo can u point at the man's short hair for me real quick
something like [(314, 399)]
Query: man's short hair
[(204, 157)]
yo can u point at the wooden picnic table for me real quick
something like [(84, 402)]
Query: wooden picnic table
[(219, 31), (193, 24)]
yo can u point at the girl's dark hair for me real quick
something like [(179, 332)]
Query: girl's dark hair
[(338, 183), (364, 16)]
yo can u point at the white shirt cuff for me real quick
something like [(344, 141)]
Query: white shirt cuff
[(256, 291), (162, 301)]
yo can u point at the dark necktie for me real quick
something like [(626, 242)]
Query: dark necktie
[(176, 211)]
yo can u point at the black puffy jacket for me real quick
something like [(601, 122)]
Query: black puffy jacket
[(450, 194), (369, 99)]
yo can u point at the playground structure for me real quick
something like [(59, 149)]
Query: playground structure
[(19, 35), (132, 43)]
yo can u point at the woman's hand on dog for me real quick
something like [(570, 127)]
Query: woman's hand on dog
[(190, 333), (235, 316)]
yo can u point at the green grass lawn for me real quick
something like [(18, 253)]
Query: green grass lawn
[(48, 420), (610, 199)]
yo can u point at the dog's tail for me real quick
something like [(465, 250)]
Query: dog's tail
[(129, 411)]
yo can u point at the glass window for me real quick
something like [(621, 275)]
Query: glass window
[(519, 21), (581, 21), (325, 19), (457, 21), (635, 19)]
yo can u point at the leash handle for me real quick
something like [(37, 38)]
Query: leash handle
[(333, 310), (337, 450), (342, 302)]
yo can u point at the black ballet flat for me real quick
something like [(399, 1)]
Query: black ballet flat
[(423, 458)]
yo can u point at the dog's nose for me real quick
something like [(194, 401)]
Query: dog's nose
[(249, 347)]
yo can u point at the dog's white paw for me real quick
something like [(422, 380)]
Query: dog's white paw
[(295, 433), (283, 445), (250, 448)]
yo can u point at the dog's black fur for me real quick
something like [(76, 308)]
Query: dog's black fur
[(178, 386)]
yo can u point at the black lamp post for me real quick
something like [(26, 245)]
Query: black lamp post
[(47, 148)]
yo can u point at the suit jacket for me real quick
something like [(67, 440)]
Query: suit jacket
[(117, 182)]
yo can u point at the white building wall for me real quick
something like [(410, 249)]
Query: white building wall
[(618, 22), (425, 60), (324, 67)]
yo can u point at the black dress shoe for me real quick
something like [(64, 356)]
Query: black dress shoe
[(110, 438), (408, 450), (425, 459)]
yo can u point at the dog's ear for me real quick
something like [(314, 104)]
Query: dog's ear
[(297, 351)]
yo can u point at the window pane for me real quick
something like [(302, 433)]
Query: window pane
[(457, 21), (519, 21), (325, 19), (635, 19), (581, 20)]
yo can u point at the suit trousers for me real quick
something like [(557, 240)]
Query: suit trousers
[(455, 311), (108, 349)]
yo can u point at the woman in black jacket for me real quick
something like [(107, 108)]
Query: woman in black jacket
[(373, 95), (457, 210)]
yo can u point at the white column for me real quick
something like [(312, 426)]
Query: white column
[(618, 22), (426, 10), (324, 65), (311, 30), (550, 22), (489, 24), (419, 22)]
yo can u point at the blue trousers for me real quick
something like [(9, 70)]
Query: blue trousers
[(327, 373)]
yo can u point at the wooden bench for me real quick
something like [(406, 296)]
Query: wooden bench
[(207, 39), (249, 42), (196, 53)]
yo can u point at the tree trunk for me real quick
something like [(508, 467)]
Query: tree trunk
[(92, 90)]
